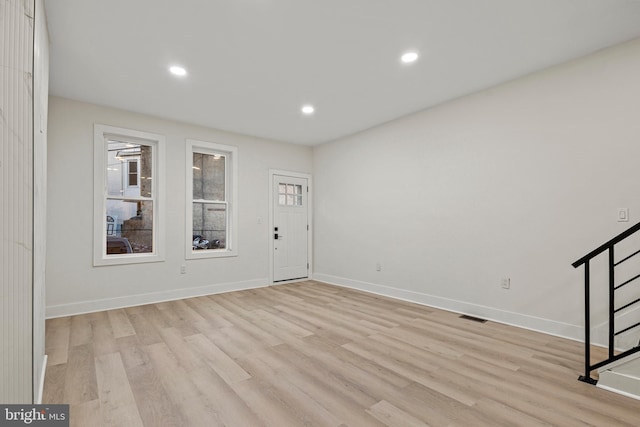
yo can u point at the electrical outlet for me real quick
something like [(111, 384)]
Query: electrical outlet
[(183, 269), (378, 266), (623, 214), (506, 283)]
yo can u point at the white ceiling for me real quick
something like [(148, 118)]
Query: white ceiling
[(253, 63)]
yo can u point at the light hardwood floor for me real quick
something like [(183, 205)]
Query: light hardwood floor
[(312, 354)]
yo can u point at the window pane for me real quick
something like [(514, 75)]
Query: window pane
[(114, 178), (298, 189), (290, 189), (139, 158), (298, 200), (133, 173), (208, 177), (282, 189), (209, 226), (282, 199), (129, 226)]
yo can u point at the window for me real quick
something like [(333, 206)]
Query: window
[(128, 201), (211, 200), (289, 195), (133, 173)]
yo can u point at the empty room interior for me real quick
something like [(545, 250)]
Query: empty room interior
[(337, 213)]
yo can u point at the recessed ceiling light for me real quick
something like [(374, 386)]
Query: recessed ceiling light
[(409, 57), (178, 71), (308, 109)]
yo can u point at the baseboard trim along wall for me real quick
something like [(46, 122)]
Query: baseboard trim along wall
[(537, 324), (551, 327), (83, 307), (43, 371)]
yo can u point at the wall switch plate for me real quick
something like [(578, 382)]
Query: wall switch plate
[(378, 266), (183, 269), (623, 214), (506, 283)]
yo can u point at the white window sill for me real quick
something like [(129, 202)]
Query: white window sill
[(211, 253), (127, 259)]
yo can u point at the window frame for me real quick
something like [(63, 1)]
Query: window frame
[(101, 194), (231, 198)]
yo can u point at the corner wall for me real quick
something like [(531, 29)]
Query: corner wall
[(75, 286), (514, 182), (16, 201), (40, 111)]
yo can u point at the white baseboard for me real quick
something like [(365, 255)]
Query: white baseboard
[(41, 385), (621, 392), (538, 324), (524, 321), (83, 307)]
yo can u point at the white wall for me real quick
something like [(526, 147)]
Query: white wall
[(74, 285), (518, 181), (16, 203), (40, 110)]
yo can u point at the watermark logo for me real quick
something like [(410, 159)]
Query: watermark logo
[(34, 415)]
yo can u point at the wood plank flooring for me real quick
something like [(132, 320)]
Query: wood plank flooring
[(312, 354)]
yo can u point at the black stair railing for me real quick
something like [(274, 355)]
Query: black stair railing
[(613, 310)]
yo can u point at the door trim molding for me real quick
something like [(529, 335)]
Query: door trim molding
[(307, 176)]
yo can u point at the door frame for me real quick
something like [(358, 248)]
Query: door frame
[(307, 176)]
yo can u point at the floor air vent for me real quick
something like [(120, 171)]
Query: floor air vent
[(475, 319)]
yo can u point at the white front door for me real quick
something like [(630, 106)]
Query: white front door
[(290, 231)]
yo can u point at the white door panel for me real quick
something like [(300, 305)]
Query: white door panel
[(290, 232)]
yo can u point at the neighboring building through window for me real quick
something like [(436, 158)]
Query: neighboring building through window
[(133, 172), (127, 203), (211, 199)]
